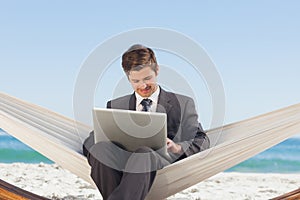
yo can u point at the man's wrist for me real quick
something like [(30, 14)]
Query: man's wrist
[(180, 149)]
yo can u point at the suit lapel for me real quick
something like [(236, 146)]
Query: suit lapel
[(163, 104), (132, 102)]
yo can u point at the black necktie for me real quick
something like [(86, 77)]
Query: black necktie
[(146, 103)]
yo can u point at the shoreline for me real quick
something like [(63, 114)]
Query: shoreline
[(51, 181)]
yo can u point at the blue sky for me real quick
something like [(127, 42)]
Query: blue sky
[(255, 46)]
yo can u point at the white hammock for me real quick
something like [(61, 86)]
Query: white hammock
[(60, 139)]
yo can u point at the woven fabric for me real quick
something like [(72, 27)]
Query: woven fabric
[(58, 138)]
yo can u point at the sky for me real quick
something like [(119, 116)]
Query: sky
[(254, 45)]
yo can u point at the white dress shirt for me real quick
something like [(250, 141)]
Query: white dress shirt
[(153, 97)]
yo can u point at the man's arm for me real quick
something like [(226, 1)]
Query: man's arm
[(193, 138)]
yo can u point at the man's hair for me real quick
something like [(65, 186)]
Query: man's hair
[(138, 57)]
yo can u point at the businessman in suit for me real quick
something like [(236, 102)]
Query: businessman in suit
[(119, 174)]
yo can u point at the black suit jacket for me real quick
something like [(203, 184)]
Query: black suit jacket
[(182, 119)]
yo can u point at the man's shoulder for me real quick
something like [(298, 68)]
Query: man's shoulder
[(119, 102), (122, 98), (178, 96)]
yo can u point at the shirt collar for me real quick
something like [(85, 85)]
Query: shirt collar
[(153, 97)]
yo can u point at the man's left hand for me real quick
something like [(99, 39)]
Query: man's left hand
[(173, 147)]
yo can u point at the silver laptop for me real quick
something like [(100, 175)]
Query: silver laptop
[(131, 129)]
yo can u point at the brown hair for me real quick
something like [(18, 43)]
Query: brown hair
[(137, 57)]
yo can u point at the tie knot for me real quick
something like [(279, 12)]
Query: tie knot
[(146, 103)]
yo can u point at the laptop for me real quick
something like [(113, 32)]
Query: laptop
[(131, 129)]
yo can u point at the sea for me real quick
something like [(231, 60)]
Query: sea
[(282, 158)]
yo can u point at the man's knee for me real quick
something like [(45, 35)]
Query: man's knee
[(143, 149), (88, 143), (109, 154)]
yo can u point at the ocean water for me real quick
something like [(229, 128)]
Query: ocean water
[(282, 158), (12, 150)]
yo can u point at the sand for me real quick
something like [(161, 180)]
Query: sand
[(51, 181)]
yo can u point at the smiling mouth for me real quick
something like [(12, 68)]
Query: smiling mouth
[(147, 89)]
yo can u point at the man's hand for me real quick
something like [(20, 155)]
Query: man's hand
[(173, 147)]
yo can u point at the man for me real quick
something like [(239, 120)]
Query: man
[(119, 174)]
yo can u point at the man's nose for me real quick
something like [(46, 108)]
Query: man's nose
[(142, 84)]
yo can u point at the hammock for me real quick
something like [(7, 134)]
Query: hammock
[(60, 139), (293, 195), (11, 192)]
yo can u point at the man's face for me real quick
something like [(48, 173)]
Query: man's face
[(144, 81)]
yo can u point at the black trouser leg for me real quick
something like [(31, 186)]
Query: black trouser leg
[(139, 175), (106, 178), (133, 186), (121, 175)]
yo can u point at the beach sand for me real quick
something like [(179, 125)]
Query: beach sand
[(51, 181)]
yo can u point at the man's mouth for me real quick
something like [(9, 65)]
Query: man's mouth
[(146, 89)]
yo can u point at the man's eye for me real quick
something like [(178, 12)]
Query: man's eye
[(148, 78)]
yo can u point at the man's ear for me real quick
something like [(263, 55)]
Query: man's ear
[(157, 70), (127, 75)]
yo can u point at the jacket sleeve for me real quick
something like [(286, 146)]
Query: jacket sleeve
[(193, 138)]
